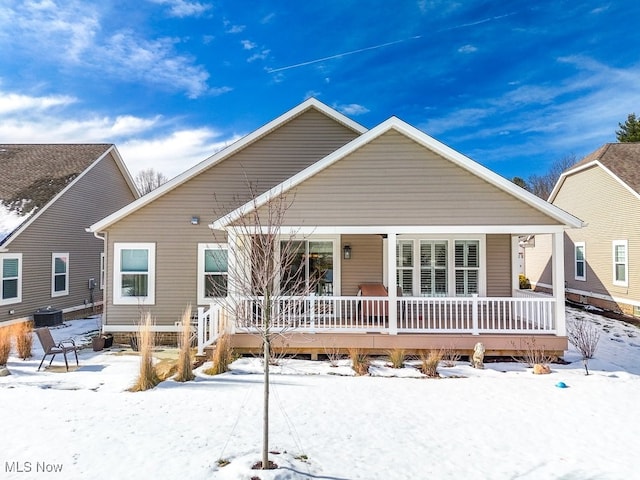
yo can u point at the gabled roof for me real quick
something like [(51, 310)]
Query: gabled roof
[(34, 175), (224, 154), (620, 160), (421, 138)]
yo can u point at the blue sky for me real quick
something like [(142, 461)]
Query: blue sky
[(514, 85)]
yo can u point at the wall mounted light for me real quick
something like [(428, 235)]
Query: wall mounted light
[(346, 252), (195, 220)]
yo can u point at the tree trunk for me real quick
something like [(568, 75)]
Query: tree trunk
[(265, 415)]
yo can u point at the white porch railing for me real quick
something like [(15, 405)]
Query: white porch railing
[(210, 325), (521, 314)]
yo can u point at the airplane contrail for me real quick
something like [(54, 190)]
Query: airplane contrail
[(382, 45), (338, 55)]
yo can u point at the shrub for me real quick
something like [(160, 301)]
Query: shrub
[(185, 365), (584, 336), (525, 284), (450, 356), (531, 354), (24, 340), (396, 357), (429, 362), (223, 355), (5, 344), (359, 361), (147, 377), (333, 354)]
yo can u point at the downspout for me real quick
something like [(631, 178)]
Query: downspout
[(106, 263)]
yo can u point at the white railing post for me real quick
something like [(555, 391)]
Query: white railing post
[(312, 310), (200, 331), (475, 330)]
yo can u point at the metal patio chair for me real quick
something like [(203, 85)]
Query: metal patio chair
[(50, 347)]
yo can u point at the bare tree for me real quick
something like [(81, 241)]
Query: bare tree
[(583, 335), (542, 185), (268, 282), (149, 179)]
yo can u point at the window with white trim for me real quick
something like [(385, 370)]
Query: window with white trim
[(440, 266), (59, 274), (433, 268), (580, 261), (134, 273), (405, 266), (10, 278), (467, 266), (620, 263), (213, 271), (102, 270)]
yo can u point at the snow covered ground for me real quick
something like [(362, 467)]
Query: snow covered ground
[(499, 423)]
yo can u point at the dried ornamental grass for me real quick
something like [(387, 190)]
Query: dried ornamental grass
[(5, 344), (147, 377), (429, 362), (359, 361), (396, 357), (24, 339), (223, 355), (185, 365)]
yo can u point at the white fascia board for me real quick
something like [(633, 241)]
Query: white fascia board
[(421, 138), (39, 212), (223, 155), (403, 229)]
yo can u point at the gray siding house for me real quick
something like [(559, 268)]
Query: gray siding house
[(49, 195), (390, 207), (602, 260)]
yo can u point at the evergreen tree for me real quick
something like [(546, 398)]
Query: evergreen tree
[(629, 130)]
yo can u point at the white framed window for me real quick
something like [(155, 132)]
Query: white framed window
[(433, 268), (213, 271), (580, 261), (440, 266), (103, 270), (134, 267), (59, 274), (310, 266), (620, 263), (467, 267), (405, 266), (10, 278)]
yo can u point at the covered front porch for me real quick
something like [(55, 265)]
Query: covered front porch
[(414, 311)]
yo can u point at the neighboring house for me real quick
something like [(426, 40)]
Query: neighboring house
[(389, 205), (49, 195), (602, 260)]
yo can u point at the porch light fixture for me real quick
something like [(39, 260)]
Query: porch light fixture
[(195, 220), (346, 252)]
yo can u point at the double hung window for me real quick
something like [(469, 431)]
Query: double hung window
[(134, 273), (59, 274), (10, 278)]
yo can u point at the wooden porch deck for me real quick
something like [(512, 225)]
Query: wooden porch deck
[(319, 344)]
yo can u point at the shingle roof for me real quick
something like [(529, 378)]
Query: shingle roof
[(623, 159), (33, 174)]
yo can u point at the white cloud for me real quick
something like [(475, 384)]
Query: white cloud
[(144, 142), (248, 44), (467, 49), (13, 102), (71, 34), (183, 8), (262, 55), (352, 109), (172, 154)]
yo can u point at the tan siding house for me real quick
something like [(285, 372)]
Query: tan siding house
[(602, 260), (387, 210), (49, 258)]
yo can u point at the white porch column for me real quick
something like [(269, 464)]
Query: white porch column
[(392, 284), (515, 262), (558, 281), (235, 274)]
